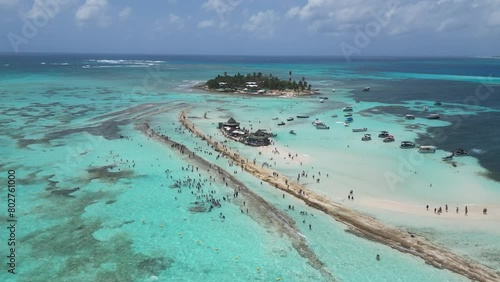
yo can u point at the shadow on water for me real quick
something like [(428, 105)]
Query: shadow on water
[(104, 173), (111, 260)]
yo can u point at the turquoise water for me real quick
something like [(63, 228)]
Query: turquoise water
[(94, 201)]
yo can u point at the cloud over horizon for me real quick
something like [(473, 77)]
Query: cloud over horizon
[(395, 26)]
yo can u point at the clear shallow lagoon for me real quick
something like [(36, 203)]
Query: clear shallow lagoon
[(82, 220)]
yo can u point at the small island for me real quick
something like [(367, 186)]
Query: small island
[(259, 83)]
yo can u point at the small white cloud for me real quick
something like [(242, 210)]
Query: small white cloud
[(263, 23), (494, 19), (92, 10), (125, 13), (176, 20), (43, 9), (292, 12), (221, 7), (206, 24)]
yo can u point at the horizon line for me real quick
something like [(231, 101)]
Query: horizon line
[(250, 55)]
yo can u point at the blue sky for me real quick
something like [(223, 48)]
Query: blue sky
[(253, 27)]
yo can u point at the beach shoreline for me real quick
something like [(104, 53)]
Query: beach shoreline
[(269, 93), (360, 224)]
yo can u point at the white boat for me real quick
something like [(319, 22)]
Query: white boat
[(333, 90), (433, 116), (426, 108), (366, 89), (427, 149), (321, 100), (366, 137), (409, 117), (317, 122), (389, 138), (347, 109), (346, 124)]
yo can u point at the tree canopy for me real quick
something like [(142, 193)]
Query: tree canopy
[(239, 81)]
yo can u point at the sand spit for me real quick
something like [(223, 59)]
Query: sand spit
[(262, 211), (359, 224)]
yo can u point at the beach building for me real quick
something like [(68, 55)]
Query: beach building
[(230, 124), (231, 129), (258, 138)]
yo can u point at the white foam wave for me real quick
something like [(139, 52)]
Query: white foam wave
[(128, 62), (478, 151)]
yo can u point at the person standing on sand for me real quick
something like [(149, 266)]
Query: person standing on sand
[(427, 207), (466, 210)]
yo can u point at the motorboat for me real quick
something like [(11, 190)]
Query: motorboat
[(426, 108), (346, 124), (289, 119), (302, 116), (366, 137), (324, 98), (334, 115), (347, 109), (366, 89), (275, 118), (407, 145), (292, 132), (349, 119), (433, 116), (460, 152), (321, 100), (333, 90), (389, 138), (409, 117), (427, 149), (437, 103), (317, 122), (448, 157), (348, 115), (281, 123), (364, 129), (322, 126), (383, 134)]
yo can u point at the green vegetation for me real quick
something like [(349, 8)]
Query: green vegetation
[(262, 81)]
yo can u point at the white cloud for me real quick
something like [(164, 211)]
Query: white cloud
[(494, 19), (125, 13), (206, 24), (93, 11), (221, 7), (292, 12), (333, 16), (162, 26), (176, 21), (263, 23)]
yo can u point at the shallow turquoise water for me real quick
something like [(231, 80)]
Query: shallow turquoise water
[(124, 223)]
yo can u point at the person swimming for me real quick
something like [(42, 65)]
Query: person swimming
[(378, 257)]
